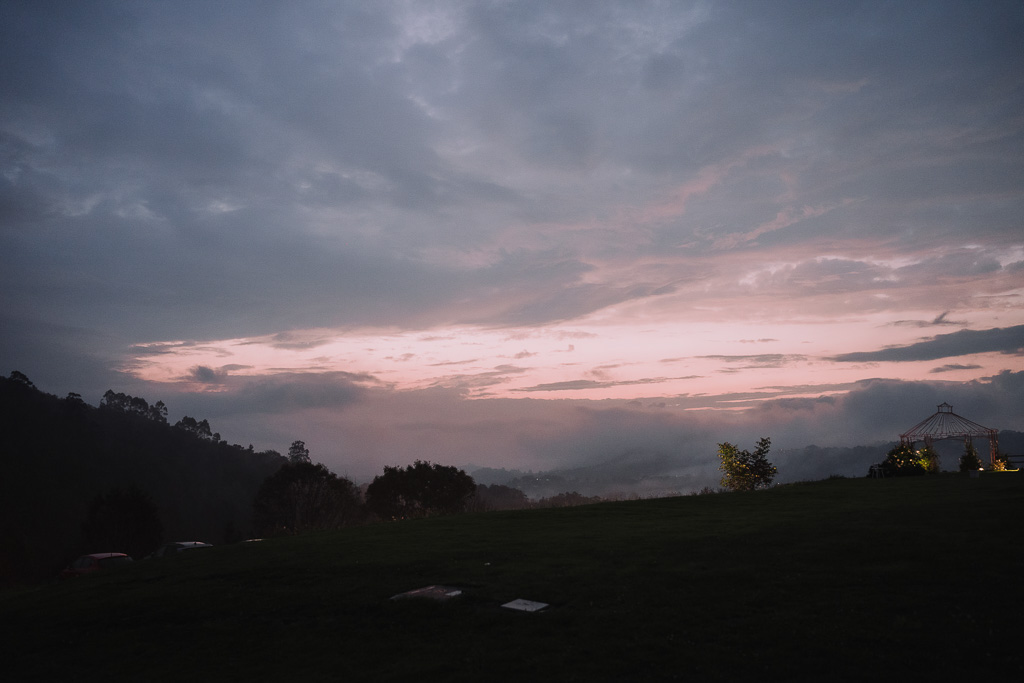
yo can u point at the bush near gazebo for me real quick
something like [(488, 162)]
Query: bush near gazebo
[(1000, 463), (903, 461), (929, 459), (969, 460)]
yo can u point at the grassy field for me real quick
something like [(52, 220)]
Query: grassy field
[(838, 580)]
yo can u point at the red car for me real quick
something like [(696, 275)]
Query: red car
[(89, 564)]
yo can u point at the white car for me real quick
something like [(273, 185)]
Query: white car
[(168, 549)]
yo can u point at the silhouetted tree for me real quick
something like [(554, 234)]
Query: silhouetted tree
[(969, 460), (158, 412), (123, 521), (746, 471), (302, 496), (134, 405), (21, 378), (200, 428), (298, 452), (419, 490)]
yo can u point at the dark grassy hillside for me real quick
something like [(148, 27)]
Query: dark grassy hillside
[(835, 580), (56, 455)]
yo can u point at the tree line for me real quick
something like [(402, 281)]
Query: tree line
[(81, 478), (305, 496)]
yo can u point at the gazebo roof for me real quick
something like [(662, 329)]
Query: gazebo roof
[(946, 424)]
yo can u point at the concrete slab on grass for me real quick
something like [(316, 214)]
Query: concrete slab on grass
[(525, 605), (431, 593)]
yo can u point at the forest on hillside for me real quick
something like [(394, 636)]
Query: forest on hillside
[(59, 454)]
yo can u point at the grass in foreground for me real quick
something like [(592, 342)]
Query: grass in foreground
[(834, 580)]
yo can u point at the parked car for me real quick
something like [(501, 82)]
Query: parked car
[(95, 562), (168, 549)]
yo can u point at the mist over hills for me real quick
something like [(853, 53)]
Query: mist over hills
[(636, 472), (58, 454), (640, 473)]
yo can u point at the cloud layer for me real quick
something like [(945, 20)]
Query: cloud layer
[(1008, 341), (289, 207)]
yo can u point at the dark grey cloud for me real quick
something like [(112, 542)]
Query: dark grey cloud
[(474, 382), (290, 341), (934, 271), (953, 367), (207, 375), (940, 320), (456, 362), (279, 394), (572, 385), (760, 360), (61, 358), (1007, 340)]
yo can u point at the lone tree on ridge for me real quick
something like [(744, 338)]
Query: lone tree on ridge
[(298, 452), (746, 471)]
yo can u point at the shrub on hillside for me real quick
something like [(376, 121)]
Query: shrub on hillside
[(419, 490), (303, 496), (903, 461)]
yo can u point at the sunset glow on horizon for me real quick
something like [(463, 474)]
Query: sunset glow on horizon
[(596, 361)]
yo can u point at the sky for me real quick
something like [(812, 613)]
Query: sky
[(523, 235)]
